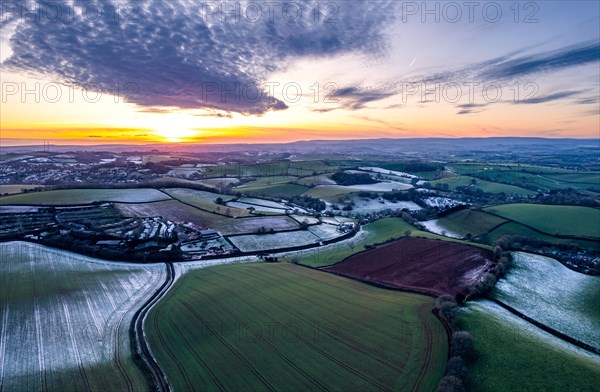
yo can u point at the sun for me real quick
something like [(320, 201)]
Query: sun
[(175, 135)]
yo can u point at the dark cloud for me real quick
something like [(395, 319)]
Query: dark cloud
[(588, 101), (177, 54), (471, 105), (517, 65), (566, 57), (356, 98), (548, 98)]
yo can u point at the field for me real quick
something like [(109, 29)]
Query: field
[(266, 242), (580, 222), (373, 233), (514, 355), (276, 190), (467, 221), (435, 266), (485, 186), (376, 232), (16, 188), (206, 201), (550, 293), (179, 212), (65, 320), (85, 196), (536, 177), (512, 228), (283, 327)]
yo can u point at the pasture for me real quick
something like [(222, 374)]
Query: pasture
[(514, 355), (550, 293), (85, 196), (580, 222), (283, 327), (485, 186), (468, 221), (65, 320)]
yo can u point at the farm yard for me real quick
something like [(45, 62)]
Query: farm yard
[(283, 327), (65, 320), (514, 355), (428, 265), (548, 292), (85, 196)]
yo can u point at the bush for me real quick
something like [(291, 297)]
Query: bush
[(447, 307), (456, 368), (451, 384), (462, 345)]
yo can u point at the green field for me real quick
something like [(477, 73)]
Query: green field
[(536, 177), (13, 189), (550, 293), (65, 318), (582, 222), (85, 196), (485, 186), (206, 201), (265, 181), (284, 327), (513, 355), (470, 221), (512, 228)]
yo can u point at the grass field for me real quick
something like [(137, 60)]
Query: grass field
[(65, 320), (469, 221), (538, 177), (564, 220), (206, 201), (548, 292), (283, 327), (85, 196), (269, 180), (14, 189), (514, 355), (486, 186), (512, 228)]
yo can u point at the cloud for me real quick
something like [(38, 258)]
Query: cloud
[(516, 65), (355, 98), (566, 57), (181, 54), (547, 98)]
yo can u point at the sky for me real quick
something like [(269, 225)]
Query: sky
[(106, 71)]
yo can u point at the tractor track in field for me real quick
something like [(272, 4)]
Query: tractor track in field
[(151, 368), (306, 341), (429, 340)]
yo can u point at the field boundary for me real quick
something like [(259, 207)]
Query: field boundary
[(548, 329)]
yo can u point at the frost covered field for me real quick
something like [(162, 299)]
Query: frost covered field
[(266, 242), (545, 290), (64, 320)]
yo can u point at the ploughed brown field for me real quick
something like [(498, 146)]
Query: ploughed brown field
[(421, 264)]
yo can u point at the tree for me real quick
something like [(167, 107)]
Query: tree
[(456, 367), (451, 384), (462, 345)]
